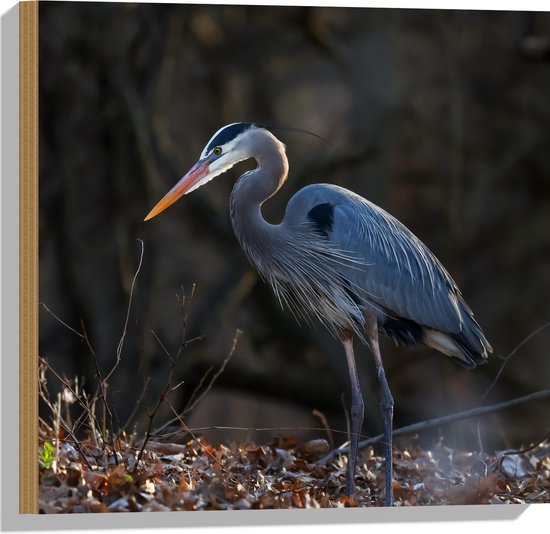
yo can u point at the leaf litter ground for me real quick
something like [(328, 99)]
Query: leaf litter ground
[(197, 475)]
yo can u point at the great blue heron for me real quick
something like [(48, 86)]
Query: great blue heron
[(340, 259)]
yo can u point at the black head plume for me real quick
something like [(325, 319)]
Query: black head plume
[(228, 133)]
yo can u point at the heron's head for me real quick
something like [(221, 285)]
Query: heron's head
[(229, 145)]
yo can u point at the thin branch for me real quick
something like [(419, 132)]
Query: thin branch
[(164, 349), (102, 389), (168, 388), (60, 321), (87, 339), (151, 415), (79, 447), (527, 449), (198, 388), (251, 429), (438, 421), (328, 430), (216, 374), (346, 414), (195, 398), (122, 338), (138, 402), (507, 359)]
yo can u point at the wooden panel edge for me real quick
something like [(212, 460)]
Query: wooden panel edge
[(28, 257)]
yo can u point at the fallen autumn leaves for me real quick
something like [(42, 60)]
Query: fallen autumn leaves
[(199, 476)]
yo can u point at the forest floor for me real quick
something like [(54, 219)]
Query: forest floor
[(197, 475)]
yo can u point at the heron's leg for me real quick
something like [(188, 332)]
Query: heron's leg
[(386, 401), (357, 411)]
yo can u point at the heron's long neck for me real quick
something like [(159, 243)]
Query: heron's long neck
[(255, 187)]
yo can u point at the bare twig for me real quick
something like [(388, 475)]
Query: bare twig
[(252, 429), (152, 414), (122, 338), (438, 421), (138, 402), (103, 382), (346, 414), (168, 388), (195, 397), (198, 388), (101, 394), (164, 349), (507, 358), (48, 428), (56, 427), (326, 426), (61, 322), (527, 449), (190, 407)]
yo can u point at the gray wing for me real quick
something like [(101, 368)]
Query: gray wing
[(394, 270)]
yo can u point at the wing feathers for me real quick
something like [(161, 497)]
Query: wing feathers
[(387, 267)]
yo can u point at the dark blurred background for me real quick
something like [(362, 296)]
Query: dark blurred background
[(441, 117)]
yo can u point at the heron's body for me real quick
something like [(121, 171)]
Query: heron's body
[(341, 259), (349, 254)]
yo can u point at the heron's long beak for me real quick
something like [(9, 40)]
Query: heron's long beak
[(191, 179)]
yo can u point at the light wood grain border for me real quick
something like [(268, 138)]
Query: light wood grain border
[(28, 257)]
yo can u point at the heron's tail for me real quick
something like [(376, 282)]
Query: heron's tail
[(468, 348)]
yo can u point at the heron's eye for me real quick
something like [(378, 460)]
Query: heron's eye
[(217, 151)]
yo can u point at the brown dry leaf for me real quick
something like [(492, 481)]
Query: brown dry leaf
[(284, 442), (255, 453), (96, 481), (166, 448), (403, 493), (476, 490), (300, 464), (214, 489), (314, 448), (96, 506), (119, 479), (72, 474), (183, 483), (296, 500), (267, 500), (156, 470), (347, 501)]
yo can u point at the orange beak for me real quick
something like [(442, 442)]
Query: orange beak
[(191, 179)]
